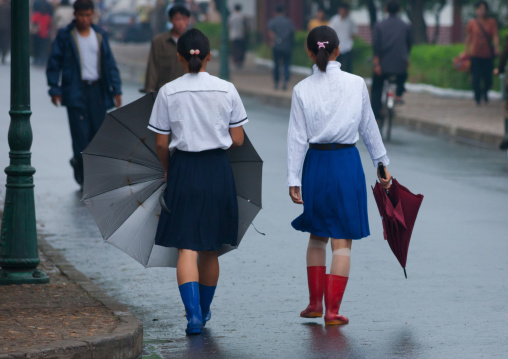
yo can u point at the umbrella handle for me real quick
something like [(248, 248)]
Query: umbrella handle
[(382, 173), (162, 202), (381, 168)]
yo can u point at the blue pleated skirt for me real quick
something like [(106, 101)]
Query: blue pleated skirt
[(334, 195), (201, 198)]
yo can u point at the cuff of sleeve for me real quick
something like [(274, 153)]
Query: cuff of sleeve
[(55, 91), (294, 182), (158, 130), (384, 159), (238, 123)]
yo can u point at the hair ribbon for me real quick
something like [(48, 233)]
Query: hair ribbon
[(322, 44)]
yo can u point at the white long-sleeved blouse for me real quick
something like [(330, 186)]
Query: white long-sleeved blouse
[(331, 107)]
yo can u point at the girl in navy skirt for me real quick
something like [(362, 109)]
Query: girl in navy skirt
[(197, 117), (329, 110)]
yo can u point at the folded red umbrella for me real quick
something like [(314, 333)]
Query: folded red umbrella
[(398, 208)]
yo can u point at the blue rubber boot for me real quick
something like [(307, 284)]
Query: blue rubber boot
[(205, 299), (190, 298)]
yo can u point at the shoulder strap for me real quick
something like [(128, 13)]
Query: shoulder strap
[(484, 32)]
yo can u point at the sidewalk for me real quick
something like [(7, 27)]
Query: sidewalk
[(456, 118), (68, 318)]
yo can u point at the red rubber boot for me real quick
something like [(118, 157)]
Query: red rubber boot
[(335, 285), (316, 280)]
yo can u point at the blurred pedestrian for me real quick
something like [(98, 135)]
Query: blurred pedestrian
[(5, 28), (281, 33), (197, 117), (345, 28), (329, 110), (83, 76), (503, 59), (482, 46), (237, 35), (40, 28), (391, 43), (163, 65), (159, 17), (319, 20), (64, 14)]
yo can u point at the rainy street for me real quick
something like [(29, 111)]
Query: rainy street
[(453, 304)]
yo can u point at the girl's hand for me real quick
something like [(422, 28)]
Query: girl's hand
[(294, 193), (385, 182), (165, 176)]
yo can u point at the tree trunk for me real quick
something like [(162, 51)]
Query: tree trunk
[(415, 9), (437, 26), (457, 21), (371, 6)]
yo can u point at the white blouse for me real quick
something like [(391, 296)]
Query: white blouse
[(331, 107), (197, 110)]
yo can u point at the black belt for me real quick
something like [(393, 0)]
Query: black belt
[(330, 146), (90, 83)]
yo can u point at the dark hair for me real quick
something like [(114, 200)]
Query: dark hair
[(480, 3), (83, 5), (344, 5), (279, 9), (178, 9), (393, 6), (193, 40), (238, 7), (323, 34)]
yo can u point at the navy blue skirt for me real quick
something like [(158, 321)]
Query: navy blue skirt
[(201, 198), (334, 195)]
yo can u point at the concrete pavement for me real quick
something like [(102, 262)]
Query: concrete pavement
[(452, 305), (68, 318), (452, 117)]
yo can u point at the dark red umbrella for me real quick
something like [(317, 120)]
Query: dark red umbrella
[(398, 208)]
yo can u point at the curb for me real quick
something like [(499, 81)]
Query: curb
[(458, 133), (124, 342)]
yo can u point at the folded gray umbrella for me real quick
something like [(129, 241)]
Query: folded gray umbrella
[(124, 181)]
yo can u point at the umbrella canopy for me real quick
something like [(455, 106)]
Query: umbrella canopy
[(124, 180), (398, 209)]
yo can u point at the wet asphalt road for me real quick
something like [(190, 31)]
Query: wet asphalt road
[(452, 306)]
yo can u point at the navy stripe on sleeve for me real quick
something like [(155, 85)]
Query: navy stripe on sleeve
[(159, 129), (236, 123)]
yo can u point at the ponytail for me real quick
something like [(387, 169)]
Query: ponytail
[(194, 47), (322, 57), (195, 64), (322, 41)]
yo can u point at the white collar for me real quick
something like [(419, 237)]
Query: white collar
[(332, 65)]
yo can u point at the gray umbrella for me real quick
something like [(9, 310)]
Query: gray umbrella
[(124, 180)]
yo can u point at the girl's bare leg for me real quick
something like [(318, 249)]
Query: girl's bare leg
[(316, 251), (341, 257), (208, 268), (187, 266)]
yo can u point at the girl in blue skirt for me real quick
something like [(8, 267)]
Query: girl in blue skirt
[(329, 110), (197, 117)]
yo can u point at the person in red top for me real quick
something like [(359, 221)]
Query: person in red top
[(482, 45), (41, 28)]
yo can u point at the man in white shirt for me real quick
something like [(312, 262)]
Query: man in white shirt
[(83, 76), (345, 29), (237, 35)]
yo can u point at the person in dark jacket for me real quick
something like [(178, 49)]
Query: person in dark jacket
[(391, 42), (163, 65), (83, 76)]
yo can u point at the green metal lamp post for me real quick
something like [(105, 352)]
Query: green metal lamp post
[(224, 47), (19, 255)]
